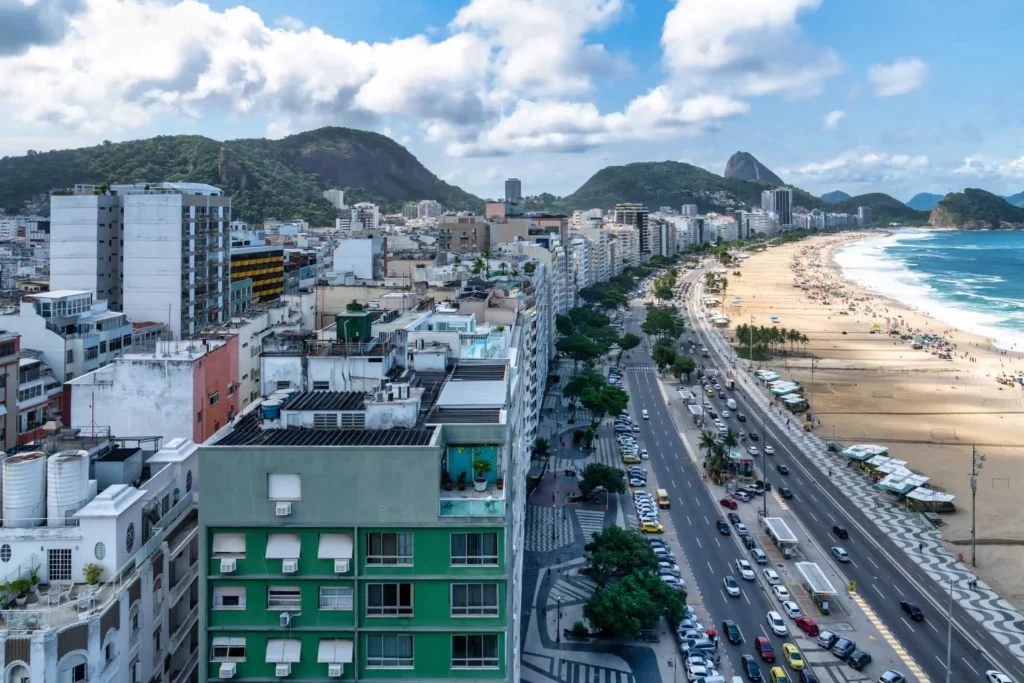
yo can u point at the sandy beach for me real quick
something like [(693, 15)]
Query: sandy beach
[(871, 387)]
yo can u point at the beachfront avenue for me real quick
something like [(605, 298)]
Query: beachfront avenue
[(883, 574)]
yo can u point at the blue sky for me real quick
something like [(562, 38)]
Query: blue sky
[(863, 96)]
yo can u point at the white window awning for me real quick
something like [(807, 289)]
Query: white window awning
[(3, 409), (226, 642), (334, 652), (283, 546), (232, 544), (335, 547), (280, 651)]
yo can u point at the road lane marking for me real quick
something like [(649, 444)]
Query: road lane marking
[(710, 567), (879, 592), (717, 541), (889, 638), (907, 623), (969, 666), (687, 516), (934, 628), (698, 542), (873, 562)]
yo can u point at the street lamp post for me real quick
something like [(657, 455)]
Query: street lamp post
[(977, 462), (949, 631)]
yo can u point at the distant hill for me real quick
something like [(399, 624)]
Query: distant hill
[(265, 178), (743, 166), (1016, 199), (884, 209), (976, 209), (834, 196), (924, 201), (662, 183)]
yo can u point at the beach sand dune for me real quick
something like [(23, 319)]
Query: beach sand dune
[(875, 388)]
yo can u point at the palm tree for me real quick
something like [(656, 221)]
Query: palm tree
[(731, 439), (504, 268), (541, 448), (804, 340), (783, 333), (707, 442), (794, 336), (487, 262), (719, 459)]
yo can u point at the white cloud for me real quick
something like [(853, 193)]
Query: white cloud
[(898, 78), (832, 119), (575, 126), (289, 23), (991, 169), (859, 165), (749, 47)]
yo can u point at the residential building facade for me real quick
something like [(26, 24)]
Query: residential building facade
[(513, 190), (87, 243), (264, 266)]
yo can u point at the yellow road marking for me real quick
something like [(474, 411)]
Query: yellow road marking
[(889, 638)]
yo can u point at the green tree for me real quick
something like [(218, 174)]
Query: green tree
[(730, 439), (579, 348), (663, 357), (628, 342), (636, 602), (579, 384), (707, 442), (617, 552), (683, 366), (564, 325), (596, 474), (604, 401), (478, 266), (541, 448)]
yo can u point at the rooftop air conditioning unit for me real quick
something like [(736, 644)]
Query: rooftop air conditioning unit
[(282, 670), (340, 566), (289, 566), (227, 670), (334, 670), (283, 509), (227, 565)]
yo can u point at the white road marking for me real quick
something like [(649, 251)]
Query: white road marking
[(934, 628), (812, 496), (873, 562), (698, 542), (747, 599), (969, 666), (710, 567), (907, 623), (717, 541), (687, 516), (706, 520)]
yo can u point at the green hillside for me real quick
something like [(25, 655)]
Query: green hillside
[(265, 178), (974, 208), (884, 209)]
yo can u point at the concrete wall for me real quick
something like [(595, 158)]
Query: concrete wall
[(152, 260), (347, 374), (215, 372), (84, 256), (274, 369)]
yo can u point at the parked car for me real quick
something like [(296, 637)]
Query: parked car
[(912, 610), (741, 529), (781, 592), (792, 609), (772, 577), (858, 659), (651, 528), (826, 639), (728, 503), (843, 647), (733, 517), (807, 625), (892, 677), (807, 676), (776, 624), (758, 555)]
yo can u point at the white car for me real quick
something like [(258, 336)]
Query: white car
[(781, 593), (994, 676), (752, 450), (644, 455), (745, 570), (792, 609), (695, 672), (741, 529), (725, 414), (771, 577), (777, 625), (731, 587), (768, 450)]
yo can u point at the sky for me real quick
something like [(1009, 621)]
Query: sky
[(867, 96)]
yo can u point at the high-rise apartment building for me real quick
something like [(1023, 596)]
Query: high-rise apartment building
[(428, 208), (336, 197), (779, 201), (688, 210), (368, 214), (513, 190), (863, 215), (410, 211), (86, 250), (264, 266), (637, 216)]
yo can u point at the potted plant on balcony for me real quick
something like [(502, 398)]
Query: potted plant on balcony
[(34, 579), (20, 589), (92, 572), (462, 481), (446, 480), (482, 467)]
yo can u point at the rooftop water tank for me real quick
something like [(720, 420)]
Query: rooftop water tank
[(271, 409), (67, 484), (24, 484)]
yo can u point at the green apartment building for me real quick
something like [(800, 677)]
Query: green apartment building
[(336, 542)]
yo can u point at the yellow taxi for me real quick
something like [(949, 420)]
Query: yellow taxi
[(793, 656), (651, 528), (630, 459), (711, 393), (778, 675)]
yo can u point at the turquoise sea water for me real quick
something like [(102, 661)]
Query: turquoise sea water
[(973, 280)]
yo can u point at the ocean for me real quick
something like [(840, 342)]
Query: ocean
[(973, 280)]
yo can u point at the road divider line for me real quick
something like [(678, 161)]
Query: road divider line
[(889, 637)]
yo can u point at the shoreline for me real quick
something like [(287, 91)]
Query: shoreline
[(870, 387)]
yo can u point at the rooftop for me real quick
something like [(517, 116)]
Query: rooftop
[(327, 400), (248, 431), (58, 294)]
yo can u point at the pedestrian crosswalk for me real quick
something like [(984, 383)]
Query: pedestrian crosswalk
[(581, 672), (591, 522), (606, 452), (574, 590), (639, 367)]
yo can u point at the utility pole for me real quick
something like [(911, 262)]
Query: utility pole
[(977, 462), (765, 461), (949, 631), (814, 363)]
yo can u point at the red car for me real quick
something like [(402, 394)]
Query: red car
[(807, 625), (729, 503), (764, 648)]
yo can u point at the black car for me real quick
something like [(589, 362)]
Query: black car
[(734, 518), (723, 528), (840, 531), (843, 648), (732, 632), (753, 436), (782, 469), (741, 417), (751, 667), (785, 492), (807, 676), (858, 659), (912, 610)]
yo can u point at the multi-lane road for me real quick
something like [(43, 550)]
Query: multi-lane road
[(883, 572)]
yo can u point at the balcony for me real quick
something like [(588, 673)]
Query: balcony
[(457, 466), (181, 675), (180, 630)]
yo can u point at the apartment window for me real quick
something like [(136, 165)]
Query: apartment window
[(321, 386), (283, 385), (58, 562), (214, 398), (92, 353), (337, 598), (229, 545), (70, 376), (284, 597), (388, 651), (231, 390), (228, 650), (156, 640), (475, 652), (475, 548), (389, 599), (474, 600), (393, 548), (103, 347), (71, 355), (284, 487), (126, 340), (229, 597), (199, 417)]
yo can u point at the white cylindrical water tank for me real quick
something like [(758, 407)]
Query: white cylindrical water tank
[(24, 486), (67, 485)]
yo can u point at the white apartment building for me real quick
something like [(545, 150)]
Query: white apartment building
[(688, 210), (336, 197), (579, 267), (368, 214), (362, 256), (86, 249), (134, 523), (74, 333), (428, 208), (628, 239)]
